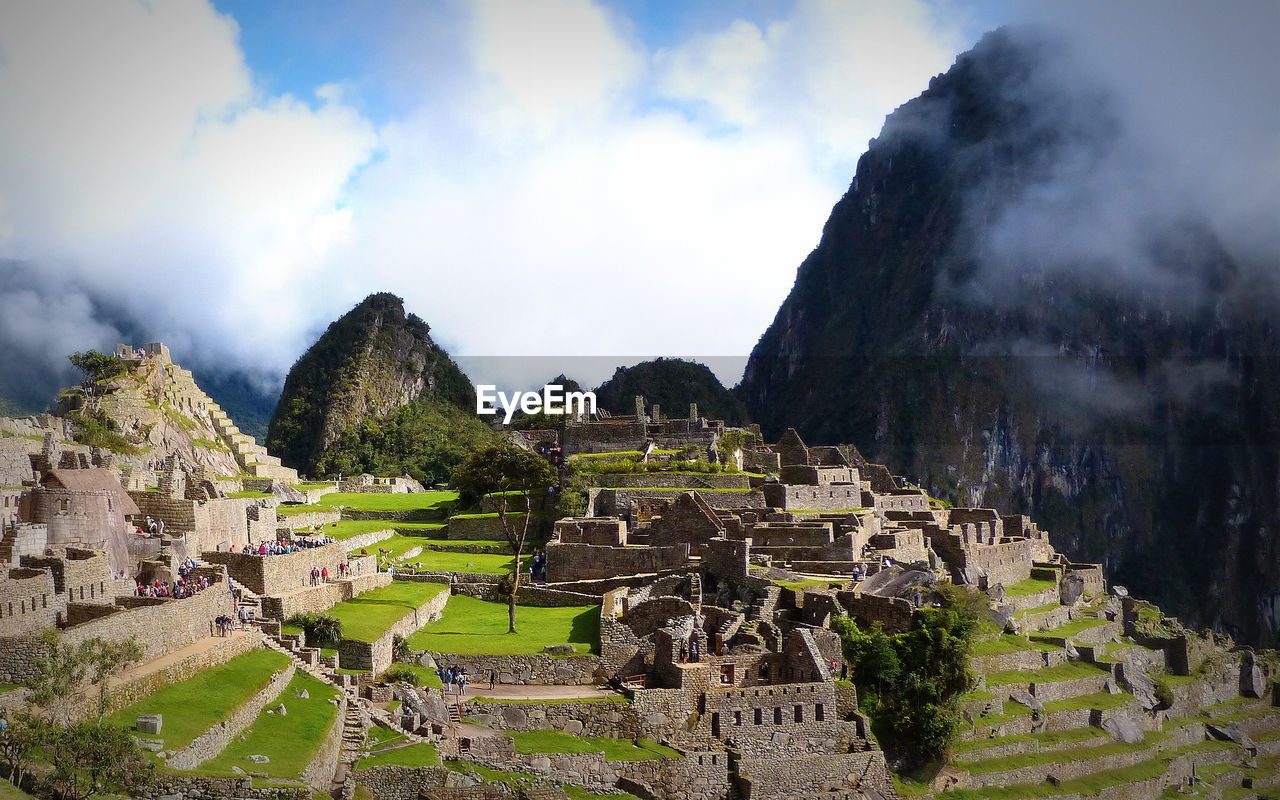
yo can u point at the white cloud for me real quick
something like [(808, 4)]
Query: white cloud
[(537, 193)]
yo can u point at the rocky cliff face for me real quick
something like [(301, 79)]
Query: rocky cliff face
[(1135, 419), (370, 363)]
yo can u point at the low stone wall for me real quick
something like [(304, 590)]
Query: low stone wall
[(363, 540), (169, 786), (594, 718), (213, 741), (1023, 660), (563, 671), (694, 776), (479, 527), (308, 519), (800, 776), (668, 480), (1064, 690), (376, 655), (319, 773), (275, 575), (399, 783), (414, 515), (618, 502), (571, 562), (322, 597)]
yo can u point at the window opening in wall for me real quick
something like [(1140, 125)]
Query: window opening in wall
[(726, 674), (818, 713), (777, 715), (799, 713), (759, 716), (737, 718), (715, 724)]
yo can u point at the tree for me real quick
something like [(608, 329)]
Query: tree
[(89, 759), (65, 668), (18, 742), (504, 472), (98, 366)]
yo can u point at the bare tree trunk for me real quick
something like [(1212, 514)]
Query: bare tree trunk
[(516, 540)]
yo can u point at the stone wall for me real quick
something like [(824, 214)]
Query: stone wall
[(668, 480), (309, 519), (802, 776), (480, 527), (276, 575), (602, 531), (400, 783), (525, 669), (28, 601), (214, 740), (321, 598), (572, 562), (376, 655), (596, 718), (830, 497), (726, 558), (619, 502), (895, 613), (172, 786)]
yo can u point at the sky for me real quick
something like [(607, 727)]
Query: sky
[(545, 178)]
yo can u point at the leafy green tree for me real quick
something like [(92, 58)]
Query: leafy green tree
[(89, 759), (18, 743), (910, 682), (98, 366), (505, 472), (66, 668), (400, 650)]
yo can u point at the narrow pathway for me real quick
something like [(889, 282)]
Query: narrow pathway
[(536, 691)]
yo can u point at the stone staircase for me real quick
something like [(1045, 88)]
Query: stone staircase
[(354, 730), (765, 605), (251, 456), (695, 591)]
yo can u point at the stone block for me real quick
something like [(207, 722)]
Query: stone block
[(150, 723)]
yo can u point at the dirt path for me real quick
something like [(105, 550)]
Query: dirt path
[(534, 692), (146, 668)]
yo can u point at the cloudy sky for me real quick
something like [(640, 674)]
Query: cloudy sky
[(551, 177)]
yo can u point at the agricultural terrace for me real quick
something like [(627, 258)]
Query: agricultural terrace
[(366, 617), (471, 627), (434, 503), (193, 706), (289, 740)]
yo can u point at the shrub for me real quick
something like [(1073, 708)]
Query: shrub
[(400, 673), (98, 366), (322, 630), (400, 650)]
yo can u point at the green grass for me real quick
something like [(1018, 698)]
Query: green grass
[(367, 616), (347, 528), (247, 495), (1073, 736), (10, 792), (1072, 628), (441, 560), (303, 487), (549, 741), (1088, 785), (1029, 587), (426, 677), (475, 627), (290, 740), (419, 754), (1041, 757), (491, 775), (808, 583), (379, 737), (909, 788), (1102, 701), (8, 687), (826, 511), (431, 502), (1007, 643), (192, 706), (1061, 672)]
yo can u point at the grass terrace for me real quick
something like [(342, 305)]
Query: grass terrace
[(1072, 628), (809, 583), (1103, 701), (472, 627), (437, 501), (290, 740), (192, 706), (1063, 672), (447, 561), (426, 677), (1008, 643), (10, 792), (582, 793), (1029, 587), (367, 616), (1049, 739), (419, 754), (247, 495), (347, 528), (551, 741)]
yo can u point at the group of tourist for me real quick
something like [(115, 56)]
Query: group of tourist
[(177, 590), (458, 678), (690, 651), (283, 547)]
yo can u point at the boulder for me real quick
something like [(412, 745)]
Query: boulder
[(302, 694), (1123, 728), (1231, 733), (282, 711), (257, 758), (427, 660), (150, 723), (1135, 679), (1252, 681), (573, 727), (154, 745), (1071, 588), (1023, 697)]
